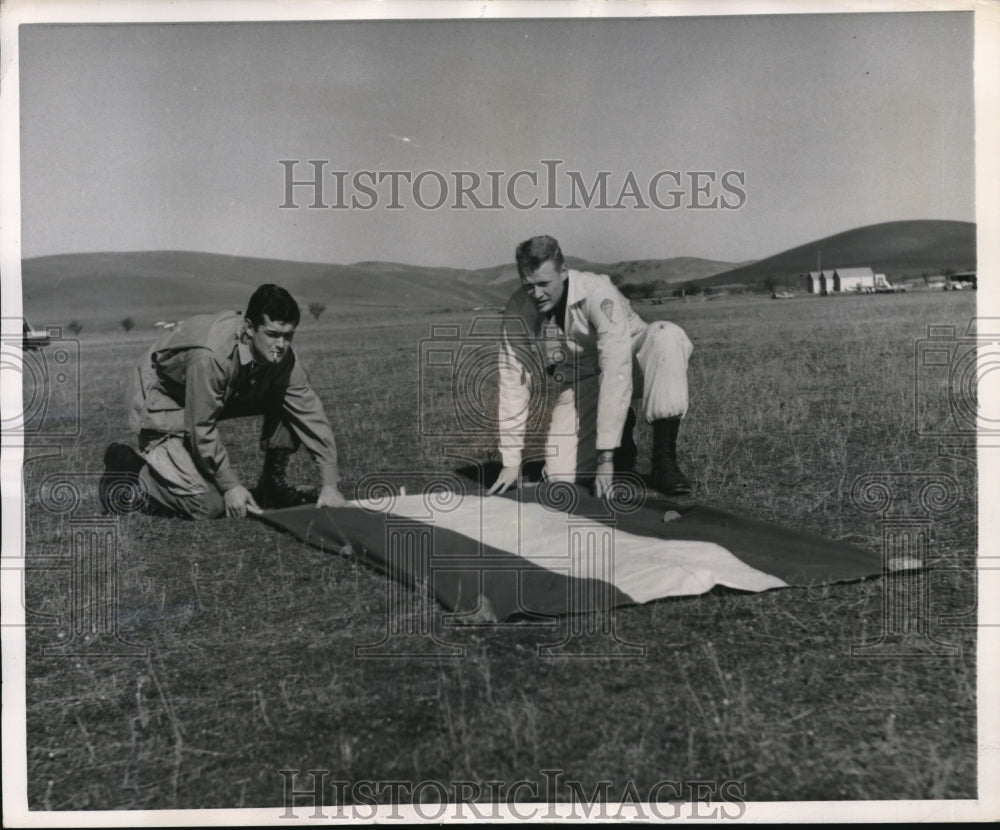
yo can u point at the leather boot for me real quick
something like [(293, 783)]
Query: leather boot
[(273, 490), (119, 489), (627, 452), (667, 476)]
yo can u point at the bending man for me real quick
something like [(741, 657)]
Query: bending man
[(210, 368), (590, 341)]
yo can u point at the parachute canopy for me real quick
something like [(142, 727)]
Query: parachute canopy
[(553, 549)]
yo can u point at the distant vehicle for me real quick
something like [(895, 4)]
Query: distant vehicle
[(782, 295), (33, 339)]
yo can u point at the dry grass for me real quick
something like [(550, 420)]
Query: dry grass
[(246, 661)]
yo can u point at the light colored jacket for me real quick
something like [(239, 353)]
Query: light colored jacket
[(601, 327), (192, 375)]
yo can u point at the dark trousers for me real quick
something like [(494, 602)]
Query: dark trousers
[(173, 479)]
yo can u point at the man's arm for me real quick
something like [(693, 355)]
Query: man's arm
[(608, 315), (307, 419), (205, 383), (514, 403)]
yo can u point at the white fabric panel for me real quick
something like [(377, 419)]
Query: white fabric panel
[(642, 567)]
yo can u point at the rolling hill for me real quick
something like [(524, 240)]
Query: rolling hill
[(674, 270), (172, 284), (150, 285), (896, 249)]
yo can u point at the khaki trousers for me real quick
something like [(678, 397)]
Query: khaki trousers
[(171, 475), (660, 359)]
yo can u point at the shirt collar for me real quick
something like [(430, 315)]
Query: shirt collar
[(245, 352), (558, 313), (573, 295)]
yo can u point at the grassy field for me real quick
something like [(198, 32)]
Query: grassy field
[(244, 658)]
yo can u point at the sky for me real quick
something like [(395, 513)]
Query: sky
[(733, 138)]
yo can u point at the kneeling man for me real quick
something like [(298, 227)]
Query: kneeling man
[(210, 368), (590, 341)]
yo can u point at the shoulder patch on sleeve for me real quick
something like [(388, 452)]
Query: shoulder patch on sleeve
[(608, 306)]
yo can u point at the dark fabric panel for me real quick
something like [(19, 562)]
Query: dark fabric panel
[(458, 568), (461, 571)]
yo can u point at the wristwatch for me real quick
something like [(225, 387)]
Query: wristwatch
[(605, 456)]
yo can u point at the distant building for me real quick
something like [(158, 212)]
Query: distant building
[(965, 279), (844, 280), (853, 279)]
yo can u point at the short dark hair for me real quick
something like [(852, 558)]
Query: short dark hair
[(535, 252), (275, 302)]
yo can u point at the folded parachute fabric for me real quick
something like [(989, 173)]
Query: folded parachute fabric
[(552, 550)]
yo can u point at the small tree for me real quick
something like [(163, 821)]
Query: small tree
[(315, 309), (75, 326), (128, 324)]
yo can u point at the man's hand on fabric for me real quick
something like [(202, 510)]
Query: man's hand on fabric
[(330, 496), (508, 477), (604, 479), (239, 502)]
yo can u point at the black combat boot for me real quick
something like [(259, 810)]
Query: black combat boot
[(273, 490), (627, 452), (667, 476), (120, 490)]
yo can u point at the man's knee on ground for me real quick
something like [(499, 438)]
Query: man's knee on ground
[(663, 360), (666, 336), (211, 506), (208, 505)]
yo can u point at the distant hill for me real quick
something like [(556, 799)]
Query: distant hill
[(633, 271), (674, 270), (172, 284), (152, 285), (896, 249)]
